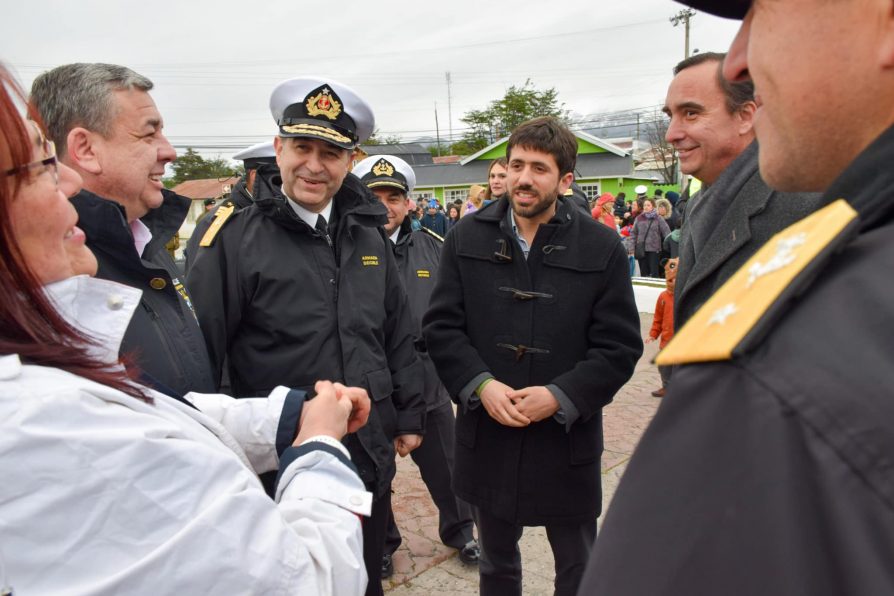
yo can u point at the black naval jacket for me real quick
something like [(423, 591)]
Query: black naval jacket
[(272, 298), (772, 473), (418, 256), (571, 303), (163, 335)]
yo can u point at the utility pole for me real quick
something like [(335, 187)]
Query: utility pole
[(683, 17), (449, 108), (437, 130)]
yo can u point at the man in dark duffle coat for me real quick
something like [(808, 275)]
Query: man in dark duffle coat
[(533, 328)]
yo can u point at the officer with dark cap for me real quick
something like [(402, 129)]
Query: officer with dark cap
[(768, 467), (303, 285), (418, 255), (261, 178)]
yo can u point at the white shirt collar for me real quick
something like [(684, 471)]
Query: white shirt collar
[(395, 235), (307, 216), (141, 235), (99, 308)]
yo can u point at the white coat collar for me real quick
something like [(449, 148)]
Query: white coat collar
[(99, 308)]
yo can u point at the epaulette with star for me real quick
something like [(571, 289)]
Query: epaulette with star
[(221, 215), (740, 314), (432, 234)]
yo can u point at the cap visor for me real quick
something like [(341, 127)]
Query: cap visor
[(389, 182)]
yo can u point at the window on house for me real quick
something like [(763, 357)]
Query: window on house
[(422, 196), (452, 195), (591, 190)]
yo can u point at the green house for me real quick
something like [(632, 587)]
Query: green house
[(601, 167)]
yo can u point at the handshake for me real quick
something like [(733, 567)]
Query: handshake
[(335, 411)]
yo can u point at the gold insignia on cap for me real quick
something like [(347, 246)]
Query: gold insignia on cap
[(383, 168), (323, 104), (733, 312)]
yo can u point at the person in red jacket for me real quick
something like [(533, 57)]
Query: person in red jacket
[(663, 321), (604, 210)]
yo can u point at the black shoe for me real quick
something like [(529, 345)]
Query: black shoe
[(387, 567), (470, 553)]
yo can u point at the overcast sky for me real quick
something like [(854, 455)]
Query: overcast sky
[(214, 64)]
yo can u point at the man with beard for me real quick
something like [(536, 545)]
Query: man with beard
[(533, 328)]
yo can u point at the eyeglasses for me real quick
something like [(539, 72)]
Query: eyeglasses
[(49, 164)]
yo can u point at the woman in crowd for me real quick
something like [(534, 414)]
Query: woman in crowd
[(452, 216), (474, 200), (111, 487), (666, 211), (647, 236), (496, 180)]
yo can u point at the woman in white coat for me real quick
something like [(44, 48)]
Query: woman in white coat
[(108, 487)]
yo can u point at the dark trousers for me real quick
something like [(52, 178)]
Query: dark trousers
[(374, 543), (435, 460), (648, 265), (500, 564), (665, 372)]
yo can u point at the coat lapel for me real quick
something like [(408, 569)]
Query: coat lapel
[(733, 232)]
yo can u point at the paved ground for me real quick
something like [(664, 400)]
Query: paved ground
[(425, 567)]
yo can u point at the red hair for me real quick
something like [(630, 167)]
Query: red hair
[(30, 326)]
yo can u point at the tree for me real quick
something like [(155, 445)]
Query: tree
[(661, 153), (192, 166), (501, 116)]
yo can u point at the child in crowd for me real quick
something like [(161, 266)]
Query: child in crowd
[(625, 226), (663, 321)]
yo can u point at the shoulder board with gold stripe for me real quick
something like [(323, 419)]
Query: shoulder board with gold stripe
[(430, 233), (738, 314), (220, 218)]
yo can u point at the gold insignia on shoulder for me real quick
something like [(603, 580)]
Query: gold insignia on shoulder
[(323, 104), (433, 234), (383, 168), (725, 320), (220, 218)]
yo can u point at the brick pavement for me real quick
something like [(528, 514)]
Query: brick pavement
[(425, 567)]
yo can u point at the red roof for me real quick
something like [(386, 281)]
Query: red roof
[(448, 159), (205, 189)]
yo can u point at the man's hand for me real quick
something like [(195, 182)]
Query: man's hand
[(360, 405), (650, 339), (332, 411), (404, 444), (500, 406), (536, 403)]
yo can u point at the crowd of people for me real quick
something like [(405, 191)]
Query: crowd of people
[(235, 429)]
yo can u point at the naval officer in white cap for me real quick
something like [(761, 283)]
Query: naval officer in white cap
[(418, 255), (304, 286)]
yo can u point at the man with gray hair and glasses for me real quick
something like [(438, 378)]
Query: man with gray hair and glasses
[(107, 128)]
